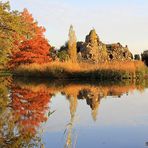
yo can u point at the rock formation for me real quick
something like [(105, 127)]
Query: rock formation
[(118, 52), (94, 51)]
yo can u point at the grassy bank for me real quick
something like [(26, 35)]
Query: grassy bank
[(68, 70)]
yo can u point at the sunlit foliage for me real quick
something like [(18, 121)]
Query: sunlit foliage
[(72, 48)]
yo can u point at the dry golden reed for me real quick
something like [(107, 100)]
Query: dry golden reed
[(130, 66)]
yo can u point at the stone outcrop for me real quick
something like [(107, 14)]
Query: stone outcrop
[(118, 52), (93, 50)]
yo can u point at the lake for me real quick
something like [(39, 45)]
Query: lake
[(71, 114)]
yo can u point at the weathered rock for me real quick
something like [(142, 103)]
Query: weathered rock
[(93, 47), (92, 50), (118, 52), (92, 41)]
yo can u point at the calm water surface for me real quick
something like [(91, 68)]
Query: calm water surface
[(57, 114)]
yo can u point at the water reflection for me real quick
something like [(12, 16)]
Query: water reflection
[(24, 106), (22, 112)]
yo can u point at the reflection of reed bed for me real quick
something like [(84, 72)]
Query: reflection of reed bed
[(73, 88), (60, 83), (67, 70), (64, 82)]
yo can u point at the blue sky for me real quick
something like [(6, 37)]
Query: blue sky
[(114, 20)]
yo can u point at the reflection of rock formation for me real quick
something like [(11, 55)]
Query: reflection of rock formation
[(92, 99), (93, 96)]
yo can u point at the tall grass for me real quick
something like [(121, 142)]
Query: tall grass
[(112, 70)]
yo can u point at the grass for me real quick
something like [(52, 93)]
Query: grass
[(69, 70)]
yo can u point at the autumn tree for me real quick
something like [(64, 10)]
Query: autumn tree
[(35, 50), (72, 45), (31, 25), (35, 47)]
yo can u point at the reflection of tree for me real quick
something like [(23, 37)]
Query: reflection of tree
[(4, 100), (5, 112), (23, 115), (73, 107), (29, 107)]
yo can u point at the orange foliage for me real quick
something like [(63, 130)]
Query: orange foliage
[(29, 107), (31, 24), (34, 48)]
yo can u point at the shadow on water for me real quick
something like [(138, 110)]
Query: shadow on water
[(24, 104)]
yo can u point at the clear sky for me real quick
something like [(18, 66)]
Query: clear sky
[(124, 21)]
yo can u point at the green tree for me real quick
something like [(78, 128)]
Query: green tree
[(13, 29), (72, 45)]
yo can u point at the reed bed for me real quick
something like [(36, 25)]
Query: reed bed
[(117, 70)]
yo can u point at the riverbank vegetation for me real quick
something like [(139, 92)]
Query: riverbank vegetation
[(68, 70)]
